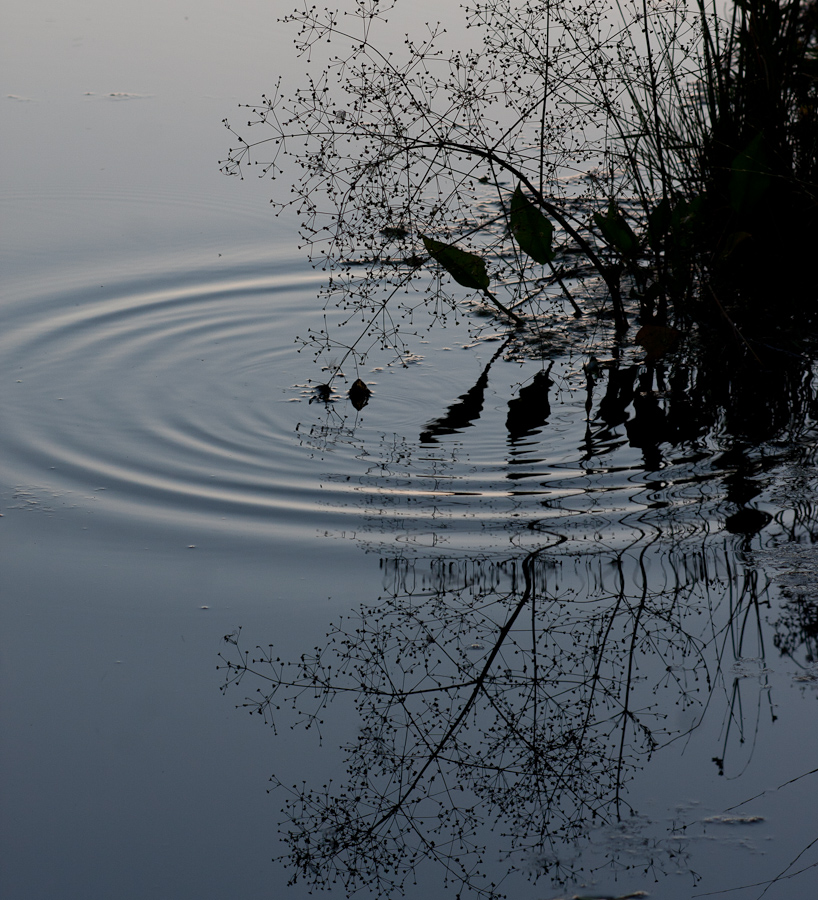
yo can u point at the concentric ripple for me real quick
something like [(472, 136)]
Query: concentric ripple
[(163, 393), (178, 399)]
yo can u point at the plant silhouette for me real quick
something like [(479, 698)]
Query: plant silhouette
[(652, 159)]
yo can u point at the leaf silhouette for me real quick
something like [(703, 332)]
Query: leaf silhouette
[(532, 231), (616, 230), (466, 410), (359, 394), (466, 268)]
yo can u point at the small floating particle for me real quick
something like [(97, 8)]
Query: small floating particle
[(191, 546), (204, 607)]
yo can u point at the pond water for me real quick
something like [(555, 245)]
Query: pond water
[(587, 608)]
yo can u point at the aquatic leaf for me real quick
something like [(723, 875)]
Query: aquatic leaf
[(687, 214), (466, 268), (460, 415), (532, 231), (530, 409), (657, 339), (359, 394), (616, 230)]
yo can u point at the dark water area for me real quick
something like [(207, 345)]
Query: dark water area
[(540, 623)]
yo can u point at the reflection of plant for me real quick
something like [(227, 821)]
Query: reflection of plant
[(797, 629), (655, 142), (496, 704)]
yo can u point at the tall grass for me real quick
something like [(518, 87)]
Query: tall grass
[(759, 157)]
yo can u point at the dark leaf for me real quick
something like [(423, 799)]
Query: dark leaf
[(616, 231), (530, 409), (466, 268), (733, 240), (359, 394), (686, 220), (532, 231)]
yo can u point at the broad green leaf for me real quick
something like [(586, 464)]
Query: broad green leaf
[(616, 230), (750, 177), (466, 268), (532, 231)]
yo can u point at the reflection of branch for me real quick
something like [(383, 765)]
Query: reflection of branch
[(784, 872), (782, 875), (536, 737), (478, 687)]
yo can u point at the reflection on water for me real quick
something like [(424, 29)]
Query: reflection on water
[(505, 706), (511, 692), (595, 533), (581, 557)]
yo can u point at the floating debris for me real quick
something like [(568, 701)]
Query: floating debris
[(322, 394), (359, 394), (733, 820)]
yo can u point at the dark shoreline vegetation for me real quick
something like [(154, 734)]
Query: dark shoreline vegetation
[(654, 164), (633, 183), (672, 149)]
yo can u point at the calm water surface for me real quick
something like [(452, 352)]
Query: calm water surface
[(166, 480)]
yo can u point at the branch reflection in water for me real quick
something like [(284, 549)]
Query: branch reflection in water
[(507, 699)]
